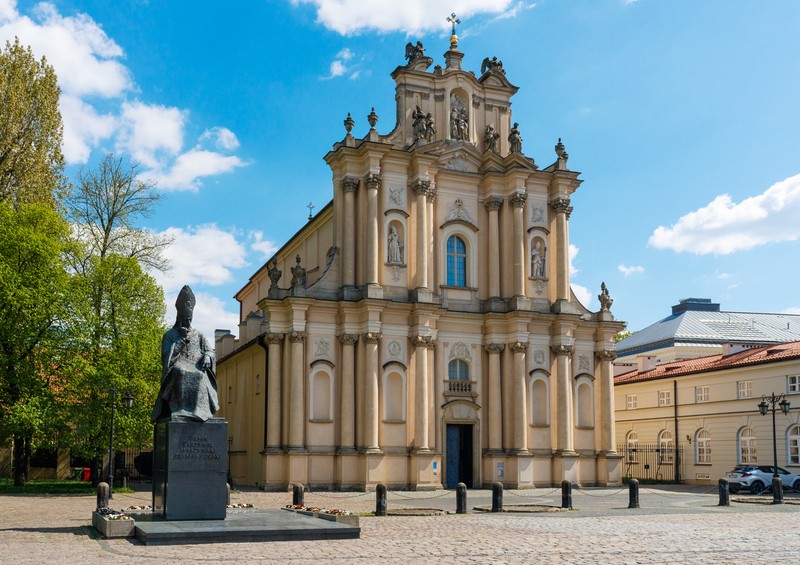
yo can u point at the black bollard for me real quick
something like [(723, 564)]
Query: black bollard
[(724, 493), (777, 491), (566, 494), (102, 495), (633, 498), (461, 498), (380, 500), (298, 493), (497, 497)]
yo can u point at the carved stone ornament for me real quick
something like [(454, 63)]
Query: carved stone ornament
[(394, 247), (494, 348), (583, 363), (457, 163), (539, 286), (274, 339), (395, 349), (396, 196), (538, 357), (458, 211), (459, 118), (397, 273), (606, 355), (605, 299), (518, 199), (323, 349), (492, 64), (414, 52), (420, 340), (514, 139), (372, 337), (298, 273), (460, 351), (372, 181), (274, 275), (493, 203), (537, 214), (490, 138), (560, 205), (431, 344), (350, 184), (518, 347), (297, 337), (421, 187), (562, 349), (348, 339), (538, 260)]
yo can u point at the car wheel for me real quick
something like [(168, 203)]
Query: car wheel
[(796, 486), (757, 487)]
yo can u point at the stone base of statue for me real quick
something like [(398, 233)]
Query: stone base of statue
[(190, 466)]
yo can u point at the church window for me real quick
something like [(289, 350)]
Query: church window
[(456, 261), (458, 370)]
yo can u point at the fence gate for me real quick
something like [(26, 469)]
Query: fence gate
[(652, 462)]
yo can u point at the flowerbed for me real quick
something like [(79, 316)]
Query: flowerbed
[(112, 523), (331, 514)]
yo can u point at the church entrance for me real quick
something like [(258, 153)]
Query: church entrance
[(458, 455)]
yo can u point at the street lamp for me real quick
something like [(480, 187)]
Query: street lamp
[(127, 400), (763, 407)]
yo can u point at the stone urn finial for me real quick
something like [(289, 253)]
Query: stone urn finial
[(560, 148), (372, 118), (349, 122)]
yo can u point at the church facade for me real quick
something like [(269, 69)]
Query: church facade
[(420, 330)]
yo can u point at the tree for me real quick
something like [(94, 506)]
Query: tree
[(34, 292), (31, 162)]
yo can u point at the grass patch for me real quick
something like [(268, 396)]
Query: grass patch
[(51, 486)]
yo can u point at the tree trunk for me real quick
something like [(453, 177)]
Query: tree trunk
[(22, 460)]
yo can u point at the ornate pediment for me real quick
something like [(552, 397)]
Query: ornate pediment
[(460, 156)]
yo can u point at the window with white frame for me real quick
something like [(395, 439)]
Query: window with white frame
[(793, 383), (458, 370), (745, 389), (793, 445), (665, 398), (701, 394), (631, 447), (747, 446), (456, 261), (665, 447), (630, 401), (702, 449)]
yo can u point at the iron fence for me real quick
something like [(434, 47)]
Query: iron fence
[(658, 463)]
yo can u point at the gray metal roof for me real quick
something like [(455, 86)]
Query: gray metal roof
[(708, 327)]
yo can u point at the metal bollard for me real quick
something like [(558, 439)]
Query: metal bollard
[(102, 495), (461, 498), (566, 494), (777, 491), (380, 500), (497, 497), (298, 494), (724, 493), (633, 498)]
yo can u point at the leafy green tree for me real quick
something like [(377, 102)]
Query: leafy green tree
[(31, 162), (34, 292)]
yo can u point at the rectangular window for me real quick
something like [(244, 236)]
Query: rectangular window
[(701, 394), (745, 389), (665, 398), (630, 401), (793, 383)]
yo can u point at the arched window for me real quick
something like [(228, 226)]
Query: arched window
[(747, 446), (584, 412), (665, 447), (631, 447), (456, 261), (458, 370), (793, 445), (702, 447), (540, 400)]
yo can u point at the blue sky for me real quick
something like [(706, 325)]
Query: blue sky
[(682, 116)]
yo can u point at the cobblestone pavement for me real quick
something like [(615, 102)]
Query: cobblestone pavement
[(674, 525)]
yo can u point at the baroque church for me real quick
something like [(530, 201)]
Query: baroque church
[(420, 330)]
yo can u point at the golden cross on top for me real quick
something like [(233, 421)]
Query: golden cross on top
[(310, 210), (453, 20)]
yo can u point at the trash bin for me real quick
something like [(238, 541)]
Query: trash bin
[(78, 473), (87, 476)]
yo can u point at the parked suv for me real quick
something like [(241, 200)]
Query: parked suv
[(756, 478)]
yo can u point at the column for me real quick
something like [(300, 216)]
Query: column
[(347, 418), (493, 205), (518, 203), (421, 191), (371, 400), (495, 397), (564, 406), (296, 398), (561, 207), (520, 424), (420, 393), (430, 197), (373, 182), (349, 187), (274, 342), (434, 391), (608, 440)]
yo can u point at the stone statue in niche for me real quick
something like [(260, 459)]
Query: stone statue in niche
[(298, 273), (395, 247), (537, 260), (492, 65), (188, 370), (490, 138), (414, 52), (514, 139), (459, 119)]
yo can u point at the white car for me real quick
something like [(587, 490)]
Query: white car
[(756, 478)]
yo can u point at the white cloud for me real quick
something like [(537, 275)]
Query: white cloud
[(84, 128), (349, 17), (341, 66), (792, 310), (147, 129), (191, 167), (265, 247), (209, 314), (223, 138), (724, 276), (337, 69), (514, 10), (724, 227), (573, 252), (630, 270), (582, 294)]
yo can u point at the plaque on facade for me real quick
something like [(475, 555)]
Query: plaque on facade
[(538, 357), (583, 363), (323, 349), (395, 350)]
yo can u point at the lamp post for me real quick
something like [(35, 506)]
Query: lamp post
[(127, 399), (764, 406)]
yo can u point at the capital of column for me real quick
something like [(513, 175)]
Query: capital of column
[(350, 184), (606, 355), (371, 337), (569, 212), (297, 337), (560, 205), (518, 347), (518, 199), (419, 340), (493, 203), (421, 187), (430, 344), (274, 339), (372, 181), (348, 339), (494, 348), (562, 349), (431, 194)]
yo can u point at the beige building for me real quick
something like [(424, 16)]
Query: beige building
[(709, 406), (420, 330)]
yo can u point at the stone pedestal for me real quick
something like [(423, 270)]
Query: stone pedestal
[(190, 465)]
